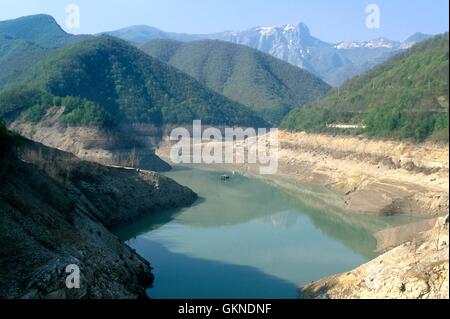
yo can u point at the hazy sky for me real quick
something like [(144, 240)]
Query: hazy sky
[(329, 20)]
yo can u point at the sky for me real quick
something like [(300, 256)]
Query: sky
[(328, 20)]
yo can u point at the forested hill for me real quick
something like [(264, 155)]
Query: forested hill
[(406, 97), (265, 84), (16, 56), (105, 81), (40, 29)]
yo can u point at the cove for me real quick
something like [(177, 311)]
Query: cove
[(245, 238)]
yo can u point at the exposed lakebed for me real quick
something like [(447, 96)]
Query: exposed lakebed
[(245, 238)]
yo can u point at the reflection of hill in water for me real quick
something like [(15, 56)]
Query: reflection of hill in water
[(322, 207), (194, 277)]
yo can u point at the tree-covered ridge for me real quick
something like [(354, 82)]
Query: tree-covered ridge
[(406, 97), (34, 104), (263, 83), (40, 29), (16, 57), (114, 82)]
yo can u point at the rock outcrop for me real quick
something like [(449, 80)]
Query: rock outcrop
[(128, 146), (57, 211), (374, 176)]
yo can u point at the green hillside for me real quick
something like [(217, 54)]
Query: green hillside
[(26, 40), (40, 29), (265, 84), (107, 81), (406, 97), (16, 57)]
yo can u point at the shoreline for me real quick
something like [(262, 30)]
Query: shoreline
[(299, 169), (369, 176), (59, 211), (373, 177)]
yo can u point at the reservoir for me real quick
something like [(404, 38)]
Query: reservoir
[(246, 238)]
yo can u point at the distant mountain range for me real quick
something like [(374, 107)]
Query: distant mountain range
[(383, 43), (269, 86), (333, 62), (293, 43)]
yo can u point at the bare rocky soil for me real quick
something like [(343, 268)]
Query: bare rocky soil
[(417, 269), (57, 210), (125, 146), (372, 176), (380, 177)]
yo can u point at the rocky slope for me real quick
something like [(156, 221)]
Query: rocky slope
[(57, 210), (417, 269), (373, 176), (383, 177), (129, 147)]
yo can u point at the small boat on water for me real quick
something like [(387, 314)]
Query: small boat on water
[(224, 178)]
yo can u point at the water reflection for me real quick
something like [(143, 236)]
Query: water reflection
[(245, 232), (205, 279)]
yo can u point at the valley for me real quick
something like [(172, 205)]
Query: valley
[(360, 179), (295, 238)]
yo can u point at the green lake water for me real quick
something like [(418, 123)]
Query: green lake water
[(246, 238)]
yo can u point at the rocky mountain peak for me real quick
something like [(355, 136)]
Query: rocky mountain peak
[(299, 29)]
